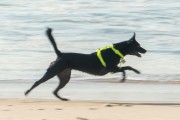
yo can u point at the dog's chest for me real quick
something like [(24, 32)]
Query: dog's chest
[(110, 58)]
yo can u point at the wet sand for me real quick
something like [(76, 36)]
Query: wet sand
[(34, 109)]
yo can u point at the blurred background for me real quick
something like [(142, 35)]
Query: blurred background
[(84, 26)]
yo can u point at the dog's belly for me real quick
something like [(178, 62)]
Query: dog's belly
[(94, 72)]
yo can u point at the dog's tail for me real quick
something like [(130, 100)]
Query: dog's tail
[(48, 32)]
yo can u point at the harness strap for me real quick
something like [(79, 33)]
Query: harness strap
[(116, 51), (101, 58)]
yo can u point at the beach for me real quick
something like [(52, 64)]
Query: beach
[(38, 109), (105, 100)]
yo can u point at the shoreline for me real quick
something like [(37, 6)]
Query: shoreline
[(102, 80), (171, 103), (39, 109), (109, 90)]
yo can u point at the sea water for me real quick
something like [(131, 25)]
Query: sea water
[(84, 26)]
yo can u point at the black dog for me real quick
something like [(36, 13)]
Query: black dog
[(89, 63)]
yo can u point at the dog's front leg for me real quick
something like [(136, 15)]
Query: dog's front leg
[(117, 69), (123, 69)]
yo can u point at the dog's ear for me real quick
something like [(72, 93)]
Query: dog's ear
[(133, 38)]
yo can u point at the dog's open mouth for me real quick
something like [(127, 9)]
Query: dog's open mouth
[(137, 54)]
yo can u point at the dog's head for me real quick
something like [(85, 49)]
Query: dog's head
[(131, 47)]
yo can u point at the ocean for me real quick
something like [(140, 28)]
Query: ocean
[(84, 26)]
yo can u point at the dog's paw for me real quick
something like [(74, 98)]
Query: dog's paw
[(124, 77), (64, 99), (26, 93), (137, 71), (133, 69)]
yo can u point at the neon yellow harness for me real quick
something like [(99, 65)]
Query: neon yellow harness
[(99, 55)]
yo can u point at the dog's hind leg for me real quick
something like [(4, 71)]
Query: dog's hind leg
[(48, 75), (53, 70), (64, 78)]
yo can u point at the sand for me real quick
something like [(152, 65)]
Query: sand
[(33, 109)]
